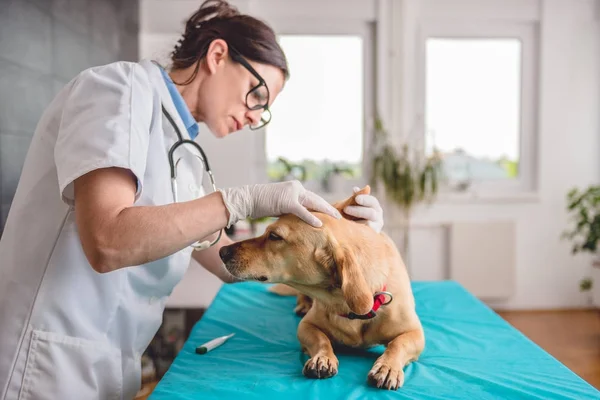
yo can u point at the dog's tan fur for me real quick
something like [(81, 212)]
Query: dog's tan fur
[(333, 270)]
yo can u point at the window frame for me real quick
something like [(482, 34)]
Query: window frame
[(527, 34), (354, 27)]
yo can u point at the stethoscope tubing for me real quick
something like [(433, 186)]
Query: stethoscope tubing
[(173, 167)]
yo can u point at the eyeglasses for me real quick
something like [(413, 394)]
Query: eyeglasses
[(258, 97)]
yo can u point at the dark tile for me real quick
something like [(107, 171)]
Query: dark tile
[(24, 94), (13, 149), (45, 5), (129, 22), (4, 208), (70, 52), (100, 55), (25, 35), (129, 15), (130, 50), (57, 86), (74, 14), (105, 25)]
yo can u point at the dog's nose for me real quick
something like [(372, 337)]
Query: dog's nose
[(226, 253)]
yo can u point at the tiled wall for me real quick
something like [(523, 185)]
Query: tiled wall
[(43, 44)]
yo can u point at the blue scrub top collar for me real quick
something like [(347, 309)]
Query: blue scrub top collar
[(184, 112)]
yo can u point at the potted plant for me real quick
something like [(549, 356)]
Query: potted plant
[(290, 170), (584, 209), (408, 177), (333, 178)]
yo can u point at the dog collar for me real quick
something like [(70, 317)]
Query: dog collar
[(379, 299)]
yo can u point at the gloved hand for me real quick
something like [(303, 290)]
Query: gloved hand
[(369, 210), (273, 200)]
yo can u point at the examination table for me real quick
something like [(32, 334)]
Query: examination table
[(470, 353)]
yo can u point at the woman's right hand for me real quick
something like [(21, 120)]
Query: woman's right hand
[(273, 200)]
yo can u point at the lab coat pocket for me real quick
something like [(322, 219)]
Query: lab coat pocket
[(66, 367)]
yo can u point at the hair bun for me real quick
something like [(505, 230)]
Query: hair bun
[(217, 19), (224, 9), (213, 9)]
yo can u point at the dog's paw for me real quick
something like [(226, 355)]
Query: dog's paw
[(385, 377), (320, 367), (303, 305)]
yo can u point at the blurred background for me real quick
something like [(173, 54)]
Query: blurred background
[(494, 105)]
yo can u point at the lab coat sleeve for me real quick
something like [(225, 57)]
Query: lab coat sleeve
[(106, 122)]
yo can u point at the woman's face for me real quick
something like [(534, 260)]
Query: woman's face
[(223, 87)]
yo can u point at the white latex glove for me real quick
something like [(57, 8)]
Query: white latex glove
[(273, 200), (369, 210)]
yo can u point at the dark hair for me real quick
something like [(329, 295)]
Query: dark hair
[(217, 19)]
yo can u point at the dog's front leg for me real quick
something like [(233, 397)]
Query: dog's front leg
[(388, 370), (322, 363), (303, 305)]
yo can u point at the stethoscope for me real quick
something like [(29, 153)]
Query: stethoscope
[(173, 165)]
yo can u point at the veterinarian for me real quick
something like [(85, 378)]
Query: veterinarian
[(110, 206)]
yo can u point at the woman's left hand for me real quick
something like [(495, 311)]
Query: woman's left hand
[(368, 209)]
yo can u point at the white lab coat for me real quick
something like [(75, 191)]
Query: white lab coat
[(66, 331)]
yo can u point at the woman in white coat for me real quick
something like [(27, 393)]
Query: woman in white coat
[(99, 233)]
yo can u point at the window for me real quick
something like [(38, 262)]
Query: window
[(472, 109), (318, 119), (478, 107)]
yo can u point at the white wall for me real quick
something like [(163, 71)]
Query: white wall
[(568, 135)]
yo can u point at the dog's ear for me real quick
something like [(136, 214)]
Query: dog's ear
[(354, 287), (351, 201), (346, 274)]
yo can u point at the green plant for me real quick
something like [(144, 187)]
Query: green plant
[(586, 284), (290, 167), (254, 222), (408, 177), (584, 209), (338, 170), (335, 169)]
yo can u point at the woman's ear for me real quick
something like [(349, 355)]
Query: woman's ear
[(216, 55)]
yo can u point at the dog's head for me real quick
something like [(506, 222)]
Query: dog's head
[(318, 260)]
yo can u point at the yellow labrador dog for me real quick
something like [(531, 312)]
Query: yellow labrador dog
[(351, 282)]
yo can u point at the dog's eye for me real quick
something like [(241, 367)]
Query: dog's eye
[(274, 236)]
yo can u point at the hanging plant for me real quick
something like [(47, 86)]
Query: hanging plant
[(408, 177)]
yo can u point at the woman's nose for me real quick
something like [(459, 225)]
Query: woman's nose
[(253, 116)]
